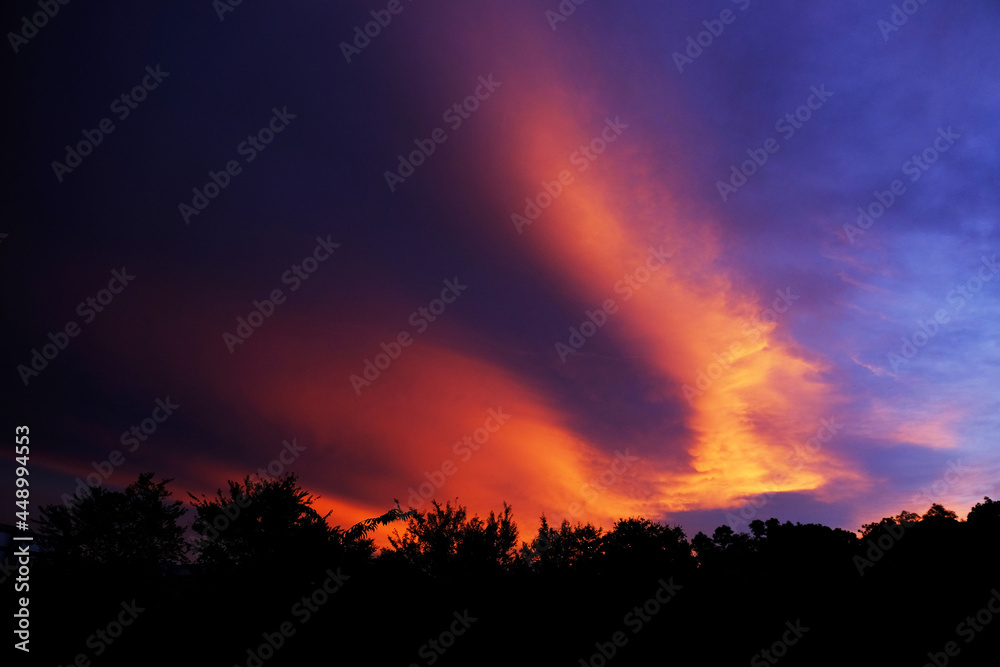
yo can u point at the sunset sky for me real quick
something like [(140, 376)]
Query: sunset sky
[(643, 258)]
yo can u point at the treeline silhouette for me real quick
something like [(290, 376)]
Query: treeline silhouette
[(261, 578)]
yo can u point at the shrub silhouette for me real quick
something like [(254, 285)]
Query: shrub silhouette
[(986, 515), (445, 541), (133, 532), (261, 525), (264, 549)]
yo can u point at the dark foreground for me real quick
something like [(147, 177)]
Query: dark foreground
[(905, 594)]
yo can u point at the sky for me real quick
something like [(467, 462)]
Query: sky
[(702, 262)]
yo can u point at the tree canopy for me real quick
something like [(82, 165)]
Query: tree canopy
[(131, 531), (264, 548)]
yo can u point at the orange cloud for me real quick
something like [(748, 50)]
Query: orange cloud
[(438, 424), (758, 396)]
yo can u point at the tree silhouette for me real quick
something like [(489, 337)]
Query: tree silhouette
[(905, 519), (261, 525), (705, 549), (643, 545), (443, 540), (530, 555), (571, 548), (133, 532), (985, 514), (983, 521), (939, 513), (490, 544), (353, 546), (361, 529), (267, 553)]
